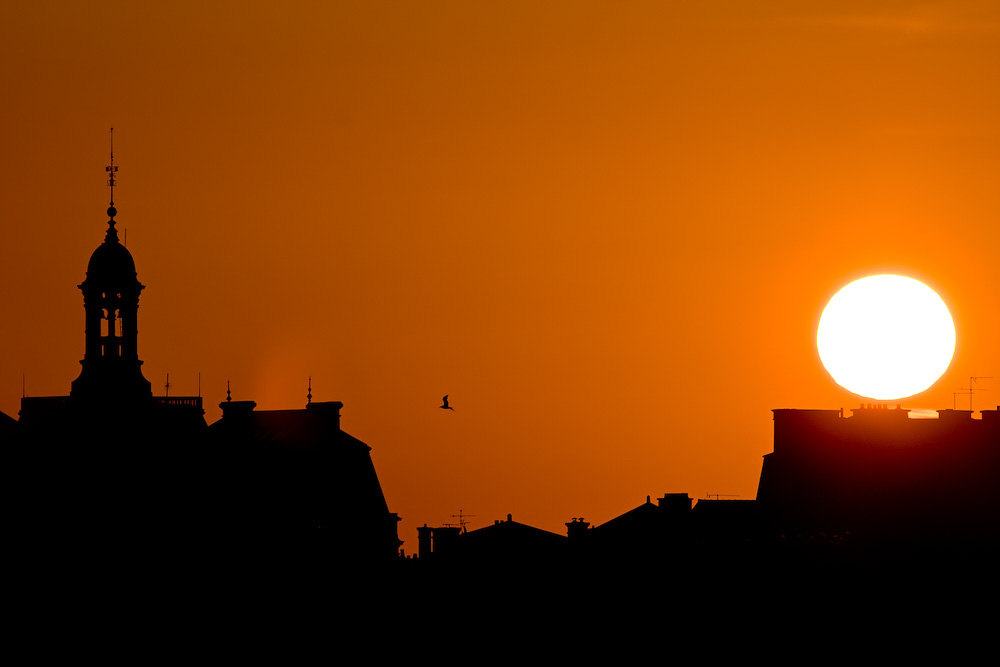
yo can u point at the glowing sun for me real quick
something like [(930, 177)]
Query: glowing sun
[(886, 337)]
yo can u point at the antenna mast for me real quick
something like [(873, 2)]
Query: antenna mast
[(972, 380), (462, 523)]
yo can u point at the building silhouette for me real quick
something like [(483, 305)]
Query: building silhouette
[(506, 542), (885, 477), (111, 465), (845, 494)]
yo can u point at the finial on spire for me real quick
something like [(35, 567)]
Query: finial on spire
[(111, 171), (309, 396), (229, 395), (112, 211)]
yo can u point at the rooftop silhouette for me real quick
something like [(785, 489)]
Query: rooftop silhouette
[(110, 464), (848, 494)]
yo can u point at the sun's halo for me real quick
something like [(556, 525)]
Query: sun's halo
[(886, 337)]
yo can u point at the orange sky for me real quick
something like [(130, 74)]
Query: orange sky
[(606, 229)]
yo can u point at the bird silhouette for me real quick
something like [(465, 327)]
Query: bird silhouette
[(446, 406)]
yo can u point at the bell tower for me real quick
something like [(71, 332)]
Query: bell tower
[(111, 366)]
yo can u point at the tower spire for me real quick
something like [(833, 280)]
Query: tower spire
[(111, 170), (111, 365)]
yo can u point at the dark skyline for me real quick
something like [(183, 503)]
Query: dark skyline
[(597, 229)]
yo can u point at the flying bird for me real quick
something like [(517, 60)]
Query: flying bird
[(446, 406)]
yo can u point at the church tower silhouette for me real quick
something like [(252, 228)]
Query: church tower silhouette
[(111, 366), (111, 463)]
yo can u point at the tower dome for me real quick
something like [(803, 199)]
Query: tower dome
[(111, 265), (111, 366)]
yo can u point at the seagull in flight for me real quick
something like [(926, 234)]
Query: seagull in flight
[(446, 406)]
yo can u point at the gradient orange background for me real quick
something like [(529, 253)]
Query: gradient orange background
[(606, 229)]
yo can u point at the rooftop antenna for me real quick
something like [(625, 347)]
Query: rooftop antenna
[(716, 496), (462, 523), (167, 385), (309, 396), (972, 380)]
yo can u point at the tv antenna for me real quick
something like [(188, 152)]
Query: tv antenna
[(166, 387), (955, 394), (717, 496), (462, 522), (972, 380)]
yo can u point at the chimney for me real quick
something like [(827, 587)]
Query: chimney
[(576, 528), (675, 502), (329, 410), (237, 409), (424, 534)]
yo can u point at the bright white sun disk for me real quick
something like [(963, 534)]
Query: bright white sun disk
[(886, 337)]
